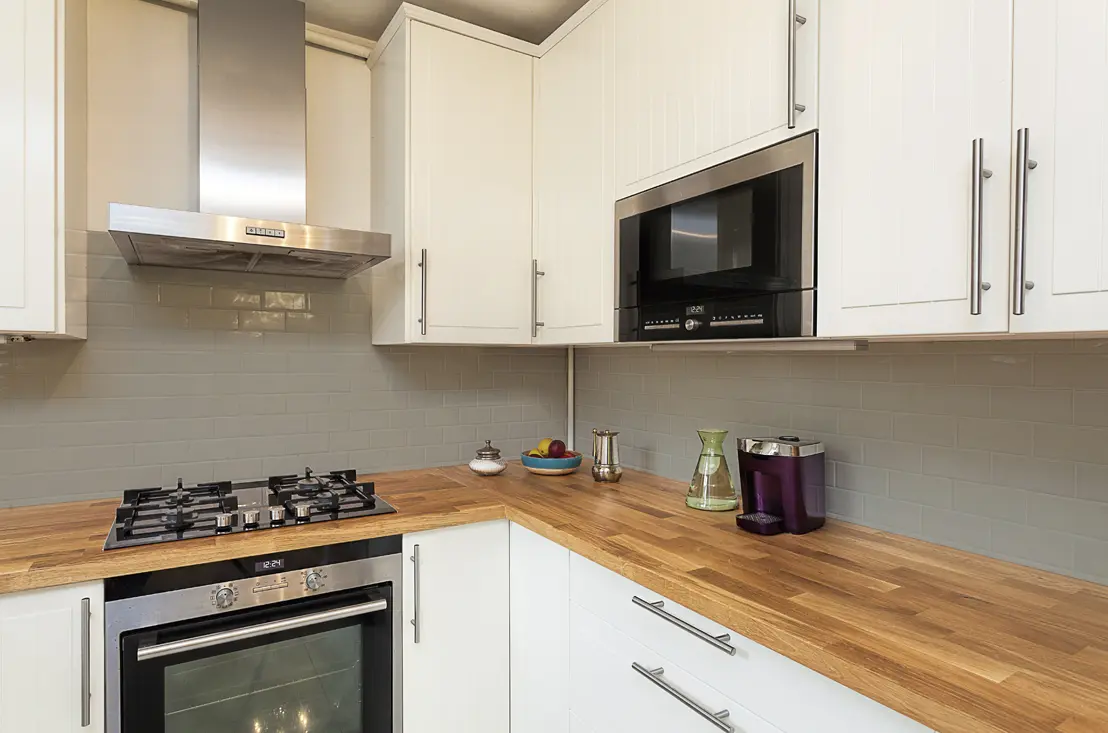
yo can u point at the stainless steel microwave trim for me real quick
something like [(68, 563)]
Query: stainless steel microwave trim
[(252, 168), (252, 632), (797, 151), (792, 447), (131, 614)]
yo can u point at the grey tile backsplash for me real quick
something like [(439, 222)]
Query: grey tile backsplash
[(205, 375), (998, 447)]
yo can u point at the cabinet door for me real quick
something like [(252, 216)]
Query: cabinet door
[(540, 633), (470, 124), (905, 89), (574, 191), (1061, 97), (456, 677), (42, 660), (28, 164), (698, 84)]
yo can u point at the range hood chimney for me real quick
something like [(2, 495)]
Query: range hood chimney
[(253, 160)]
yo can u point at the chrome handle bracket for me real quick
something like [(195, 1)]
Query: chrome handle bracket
[(657, 608)]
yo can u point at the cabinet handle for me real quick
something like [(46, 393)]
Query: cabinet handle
[(536, 273), (423, 292), (719, 719), (795, 21), (977, 226), (1024, 164), (719, 642), (86, 662), (415, 591)]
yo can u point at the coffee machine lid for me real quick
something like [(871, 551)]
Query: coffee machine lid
[(782, 445)]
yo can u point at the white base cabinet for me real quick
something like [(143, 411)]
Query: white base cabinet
[(456, 669), (51, 642)]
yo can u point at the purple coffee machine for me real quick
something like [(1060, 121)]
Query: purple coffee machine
[(782, 485)]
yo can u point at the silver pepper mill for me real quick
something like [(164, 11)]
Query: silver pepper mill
[(605, 456)]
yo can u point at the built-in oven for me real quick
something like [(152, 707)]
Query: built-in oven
[(307, 640), (725, 253)]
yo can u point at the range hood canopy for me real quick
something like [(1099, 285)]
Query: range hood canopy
[(253, 160)]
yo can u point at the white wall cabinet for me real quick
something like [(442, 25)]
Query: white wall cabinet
[(43, 659), (905, 88), (699, 85), (1061, 99), (452, 182), (456, 675), (41, 170), (575, 185)]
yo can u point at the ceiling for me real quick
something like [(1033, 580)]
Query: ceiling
[(530, 20)]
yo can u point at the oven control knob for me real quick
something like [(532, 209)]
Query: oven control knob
[(314, 581), (224, 597), (692, 324)]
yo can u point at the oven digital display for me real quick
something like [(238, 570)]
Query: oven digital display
[(269, 565)]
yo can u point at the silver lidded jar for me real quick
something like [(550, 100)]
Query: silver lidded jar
[(488, 462), (605, 456)]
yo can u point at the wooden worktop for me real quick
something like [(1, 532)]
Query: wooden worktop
[(957, 641)]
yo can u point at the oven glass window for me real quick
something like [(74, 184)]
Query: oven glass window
[(744, 239), (300, 685)]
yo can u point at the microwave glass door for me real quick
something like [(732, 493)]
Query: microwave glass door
[(334, 676)]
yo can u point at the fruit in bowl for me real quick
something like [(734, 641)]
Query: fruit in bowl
[(551, 458)]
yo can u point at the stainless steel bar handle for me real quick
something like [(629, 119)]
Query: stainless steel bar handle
[(795, 21), (423, 292), (977, 226), (1020, 283), (86, 662), (536, 273), (719, 642), (250, 632), (719, 719), (415, 591)]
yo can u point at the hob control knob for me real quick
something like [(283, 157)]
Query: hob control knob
[(276, 515), (692, 324), (223, 522), (314, 581), (303, 512), (250, 518), (224, 597)]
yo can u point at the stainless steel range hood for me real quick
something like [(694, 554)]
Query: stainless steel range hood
[(253, 160)]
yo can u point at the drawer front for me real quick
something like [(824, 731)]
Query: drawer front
[(608, 694), (767, 683)]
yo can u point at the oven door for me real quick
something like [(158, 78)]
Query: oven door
[(725, 247), (318, 664)]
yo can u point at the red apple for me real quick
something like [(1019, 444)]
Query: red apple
[(557, 449)]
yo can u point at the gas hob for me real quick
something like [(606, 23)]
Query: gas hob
[(149, 516)]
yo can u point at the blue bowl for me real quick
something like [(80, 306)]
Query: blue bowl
[(551, 466)]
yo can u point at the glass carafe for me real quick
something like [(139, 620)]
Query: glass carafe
[(711, 487)]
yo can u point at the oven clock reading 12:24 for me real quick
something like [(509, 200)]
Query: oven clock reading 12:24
[(269, 565)]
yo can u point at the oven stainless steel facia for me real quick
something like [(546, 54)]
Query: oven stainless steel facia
[(297, 641), (726, 253)]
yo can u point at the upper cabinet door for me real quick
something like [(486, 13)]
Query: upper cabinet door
[(574, 190), (905, 90), (470, 127), (1061, 100), (699, 84), (28, 165)]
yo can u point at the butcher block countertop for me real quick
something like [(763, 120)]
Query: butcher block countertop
[(957, 641)]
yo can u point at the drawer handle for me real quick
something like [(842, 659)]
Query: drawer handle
[(719, 642), (719, 719)]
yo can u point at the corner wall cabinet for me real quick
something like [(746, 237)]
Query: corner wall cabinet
[(451, 171), (52, 660), (42, 147)]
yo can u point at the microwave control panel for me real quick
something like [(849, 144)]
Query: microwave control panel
[(773, 315)]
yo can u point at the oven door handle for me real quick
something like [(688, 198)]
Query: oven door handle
[(250, 632)]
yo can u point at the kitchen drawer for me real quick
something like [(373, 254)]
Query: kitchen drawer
[(760, 679), (608, 694)]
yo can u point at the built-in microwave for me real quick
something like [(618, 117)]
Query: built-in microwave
[(725, 253)]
